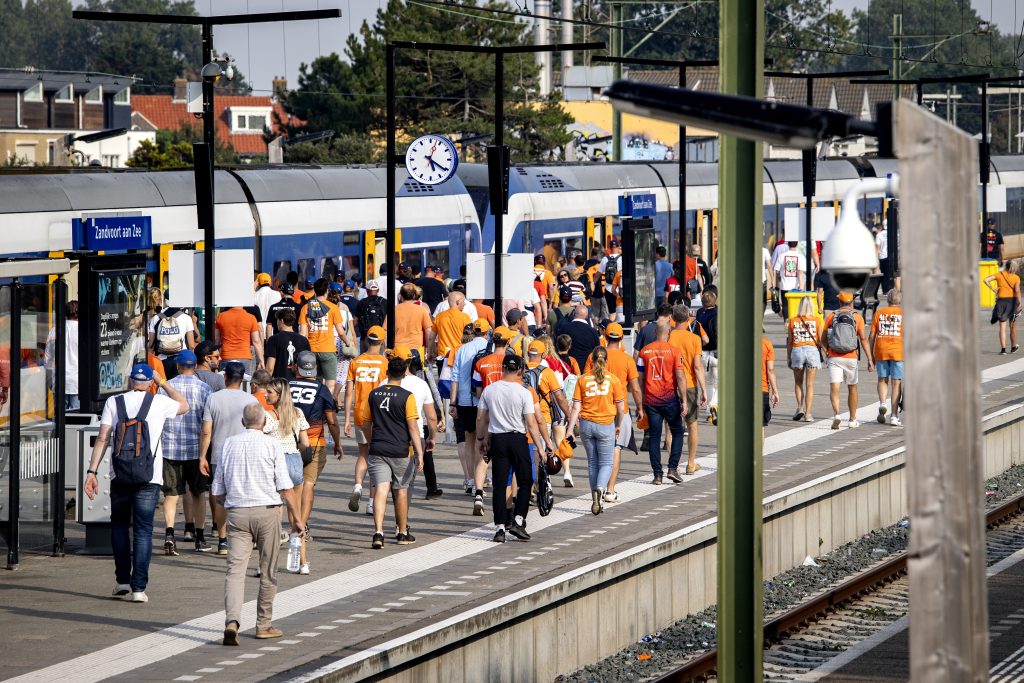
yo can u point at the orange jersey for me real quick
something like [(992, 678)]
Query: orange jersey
[(320, 331), (659, 362), (617, 283), (536, 402), (689, 347), (365, 373), (860, 331), (484, 311), (805, 331), (767, 354), (620, 364), (547, 384), (236, 326), (1006, 283), (597, 399), (887, 328), (448, 327), (411, 323), (488, 369), (151, 360)]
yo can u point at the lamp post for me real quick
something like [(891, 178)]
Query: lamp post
[(500, 156), (204, 166)]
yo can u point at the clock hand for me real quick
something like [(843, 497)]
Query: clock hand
[(439, 165)]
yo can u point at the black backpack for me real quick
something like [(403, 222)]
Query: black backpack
[(611, 267), (708, 319), (133, 455), (532, 378), (374, 311)]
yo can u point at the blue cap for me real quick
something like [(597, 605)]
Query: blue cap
[(335, 287), (186, 357), (142, 372), (309, 283), (350, 284)]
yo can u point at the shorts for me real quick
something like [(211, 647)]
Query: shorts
[(360, 435), (294, 463), (889, 368), (399, 472), (311, 472), (842, 370), (1005, 310), (327, 364), (766, 409), (341, 376), (179, 473), (692, 406), (248, 363), (460, 430), (467, 416), (625, 431), (805, 357)]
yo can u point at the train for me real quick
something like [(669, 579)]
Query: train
[(324, 221)]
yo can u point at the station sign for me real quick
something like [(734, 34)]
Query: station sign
[(638, 205), (114, 233)]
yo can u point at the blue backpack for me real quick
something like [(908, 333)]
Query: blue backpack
[(133, 454), (315, 310)]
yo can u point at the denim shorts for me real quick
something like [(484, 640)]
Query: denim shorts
[(294, 463), (889, 368), (804, 357)]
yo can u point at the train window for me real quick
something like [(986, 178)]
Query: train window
[(351, 238), (552, 250), (281, 270), (573, 246), (307, 270), (438, 257), (353, 266), (330, 266), (414, 257)]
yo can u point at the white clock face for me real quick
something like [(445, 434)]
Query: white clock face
[(431, 159)]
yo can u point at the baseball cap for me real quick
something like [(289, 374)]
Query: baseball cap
[(576, 298), (234, 371), (404, 264), (481, 326), (401, 351), (512, 363), (263, 279), (613, 243), (613, 331), (349, 284), (565, 292), (376, 333), (309, 283), (845, 297), (537, 347), (335, 286), (287, 288), (502, 332), (186, 357), (142, 372), (605, 322), (433, 269), (514, 315), (372, 284), (539, 258), (305, 364)]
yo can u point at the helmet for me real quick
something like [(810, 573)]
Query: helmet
[(565, 450), (553, 464)]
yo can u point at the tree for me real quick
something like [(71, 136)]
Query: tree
[(173, 149), (347, 148), (444, 92)]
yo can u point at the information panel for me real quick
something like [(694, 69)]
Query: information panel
[(639, 296), (120, 340)]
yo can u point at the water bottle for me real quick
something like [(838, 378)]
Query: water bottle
[(294, 553)]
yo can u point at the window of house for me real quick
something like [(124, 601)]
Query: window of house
[(33, 94), (94, 96), (251, 122), (123, 97), (65, 94), (25, 152), (112, 160)]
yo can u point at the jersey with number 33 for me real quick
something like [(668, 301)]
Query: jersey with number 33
[(366, 373), (313, 399)]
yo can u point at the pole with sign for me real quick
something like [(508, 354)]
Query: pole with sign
[(639, 243)]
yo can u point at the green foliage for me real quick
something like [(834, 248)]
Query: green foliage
[(347, 148), (443, 92), (173, 149)]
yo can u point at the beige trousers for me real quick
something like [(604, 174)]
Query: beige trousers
[(261, 525)]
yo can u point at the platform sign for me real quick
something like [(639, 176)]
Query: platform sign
[(114, 233), (516, 276), (638, 205), (639, 295)]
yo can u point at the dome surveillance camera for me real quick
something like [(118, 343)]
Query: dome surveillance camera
[(229, 72), (211, 72), (849, 254)]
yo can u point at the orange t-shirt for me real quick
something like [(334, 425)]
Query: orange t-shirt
[(411, 321), (691, 269), (261, 397), (365, 373), (546, 280), (659, 361), (598, 399), (153, 362), (548, 384), (860, 331), (887, 328), (488, 369), (620, 364), (617, 282), (689, 347), (767, 354), (1006, 282), (320, 332), (236, 326), (484, 311), (448, 327), (805, 331)]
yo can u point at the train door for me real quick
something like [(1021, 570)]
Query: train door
[(598, 231), (707, 234), (163, 261), (375, 250)]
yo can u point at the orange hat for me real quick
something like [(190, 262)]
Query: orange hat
[(376, 333), (565, 451), (481, 326), (401, 352), (263, 279), (613, 331), (643, 423), (845, 297), (537, 347), (503, 332)]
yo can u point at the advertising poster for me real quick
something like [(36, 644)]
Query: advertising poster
[(120, 307), (639, 241)]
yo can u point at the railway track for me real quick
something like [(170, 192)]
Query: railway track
[(848, 612)]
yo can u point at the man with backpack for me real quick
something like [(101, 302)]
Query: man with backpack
[(563, 310), (319, 320), (133, 422), (464, 412), (170, 331), (610, 266), (542, 379), (844, 334), (370, 312)]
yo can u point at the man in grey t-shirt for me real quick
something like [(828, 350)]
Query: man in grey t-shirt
[(221, 419), (505, 413)]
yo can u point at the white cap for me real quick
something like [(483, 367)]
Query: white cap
[(372, 284)]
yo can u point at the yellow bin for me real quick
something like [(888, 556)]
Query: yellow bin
[(793, 299), (987, 267)]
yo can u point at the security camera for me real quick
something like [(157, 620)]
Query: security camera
[(229, 72), (211, 72), (849, 254)]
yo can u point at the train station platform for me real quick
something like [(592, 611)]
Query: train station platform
[(362, 612)]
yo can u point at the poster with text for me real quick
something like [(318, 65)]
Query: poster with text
[(121, 341)]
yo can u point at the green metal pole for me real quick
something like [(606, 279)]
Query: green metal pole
[(615, 40), (740, 593)]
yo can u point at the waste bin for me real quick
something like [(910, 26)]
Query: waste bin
[(793, 299), (93, 514), (986, 268)]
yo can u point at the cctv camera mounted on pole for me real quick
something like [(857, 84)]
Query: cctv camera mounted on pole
[(849, 254)]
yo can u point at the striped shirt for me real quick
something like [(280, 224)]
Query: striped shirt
[(251, 471), (180, 437)]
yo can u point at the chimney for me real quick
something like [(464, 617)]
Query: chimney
[(180, 89), (279, 85)]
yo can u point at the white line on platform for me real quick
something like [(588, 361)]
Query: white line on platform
[(461, 593)]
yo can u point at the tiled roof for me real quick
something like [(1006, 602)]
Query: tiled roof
[(848, 98), (162, 111)]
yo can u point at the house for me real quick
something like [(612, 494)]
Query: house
[(41, 110), (240, 120)]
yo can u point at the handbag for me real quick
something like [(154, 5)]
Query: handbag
[(348, 350)]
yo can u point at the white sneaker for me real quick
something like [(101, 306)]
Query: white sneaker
[(808, 417), (611, 497), (567, 480), (895, 421), (120, 591), (854, 424), (304, 569), (137, 596)]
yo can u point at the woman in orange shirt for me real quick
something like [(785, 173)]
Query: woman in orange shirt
[(597, 405), (1008, 303), (803, 355)]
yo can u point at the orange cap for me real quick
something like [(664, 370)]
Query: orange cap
[(845, 297), (537, 347), (401, 351), (643, 423), (376, 333), (613, 331), (565, 451), (263, 279), (481, 326), (503, 332)]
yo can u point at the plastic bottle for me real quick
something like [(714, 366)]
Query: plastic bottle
[(294, 553)]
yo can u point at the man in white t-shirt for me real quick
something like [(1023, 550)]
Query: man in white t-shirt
[(265, 297), (882, 249), (427, 420), (171, 330), (133, 503), (71, 401), (790, 267)]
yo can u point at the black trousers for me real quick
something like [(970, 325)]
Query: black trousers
[(510, 452), (429, 473)]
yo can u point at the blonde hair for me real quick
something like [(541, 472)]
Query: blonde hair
[(287, 413), (806, 308), (599, 357)]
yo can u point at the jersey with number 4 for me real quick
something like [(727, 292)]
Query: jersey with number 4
[(366, 373), (314, 400), (658, 361)]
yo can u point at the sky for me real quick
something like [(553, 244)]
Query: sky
[(263, 51)]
